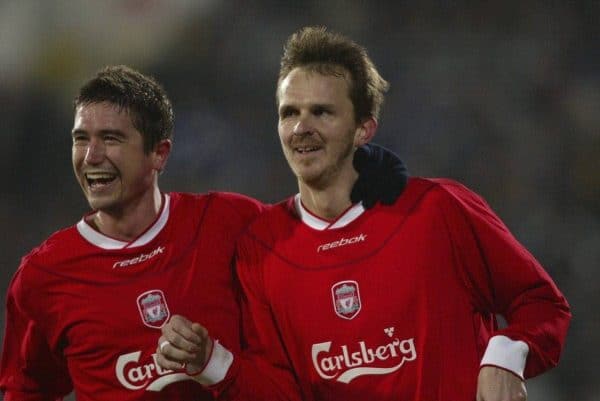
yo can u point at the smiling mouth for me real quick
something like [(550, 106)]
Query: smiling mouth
[(306, 149), (99, 180)]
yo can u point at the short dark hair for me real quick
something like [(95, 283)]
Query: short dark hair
[(141, 96), (326, 52)]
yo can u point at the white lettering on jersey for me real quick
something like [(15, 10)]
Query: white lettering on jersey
[(141, 258), (347, 363), (135, 376), (342, 242)]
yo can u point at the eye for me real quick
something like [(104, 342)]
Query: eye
[(79, 138), (286, 112), (320, 110), (110, 137)]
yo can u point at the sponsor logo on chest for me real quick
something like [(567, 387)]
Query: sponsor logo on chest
[(342, 242), (346, 362), (140, 258), (148, 375)]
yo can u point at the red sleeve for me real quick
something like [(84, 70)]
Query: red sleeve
[(262, 371), (29, 370), (505, 279)]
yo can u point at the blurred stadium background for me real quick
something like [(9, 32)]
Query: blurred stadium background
[(503, 96)]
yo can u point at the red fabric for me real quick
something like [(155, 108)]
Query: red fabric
[(71, 313), (431, 271)]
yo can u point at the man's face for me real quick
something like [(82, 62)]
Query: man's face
[(108, 158), (317, 127)]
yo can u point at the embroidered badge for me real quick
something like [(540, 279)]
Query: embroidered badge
[(153, 308), (346, 299)]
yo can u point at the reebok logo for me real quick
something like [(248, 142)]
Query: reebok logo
[(141, 258), (342, 242)]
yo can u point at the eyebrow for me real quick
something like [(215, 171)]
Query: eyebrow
[(104, 131), (311, 106), (326, 106)]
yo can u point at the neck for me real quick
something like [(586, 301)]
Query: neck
[(129, 223), (330, 201)]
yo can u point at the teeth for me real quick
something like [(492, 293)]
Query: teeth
[(99, 176), (307, 149), (98, 179)]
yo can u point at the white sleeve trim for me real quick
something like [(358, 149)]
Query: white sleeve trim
[(507, 354), (217, 366)]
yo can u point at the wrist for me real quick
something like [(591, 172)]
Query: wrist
[(215, 367), (507, 354)]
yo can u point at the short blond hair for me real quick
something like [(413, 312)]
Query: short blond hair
[(330, 53)]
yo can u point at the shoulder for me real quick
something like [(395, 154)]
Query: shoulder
[(273, 225), (276, 213), (224, 202), (46, 257), (446, 190), (442, 198), (54, 249), (235, 200), (216, 199), (458, 204), (437, 185), (236, 208), (225, 212), (274, 222)]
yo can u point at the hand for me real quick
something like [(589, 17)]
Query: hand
[(495, 384), (381, 176), (183, 344)]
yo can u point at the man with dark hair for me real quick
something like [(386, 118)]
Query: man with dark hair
[(142, 97), (393, 303), (85, 307)]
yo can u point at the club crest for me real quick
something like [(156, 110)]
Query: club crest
[(153, 308), (346, 299)]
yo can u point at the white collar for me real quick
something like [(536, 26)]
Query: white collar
[(318, 223), (105, 242)]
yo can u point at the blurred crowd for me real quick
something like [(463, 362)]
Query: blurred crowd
[(502, 96)]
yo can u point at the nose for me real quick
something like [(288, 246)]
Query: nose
[(94, 154), (303, 126)]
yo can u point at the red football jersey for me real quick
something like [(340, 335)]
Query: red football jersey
[(393, 303), (84, 311)]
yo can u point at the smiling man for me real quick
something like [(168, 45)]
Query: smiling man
[(117, 170), (319, 132), (397, 302), (84, 308)]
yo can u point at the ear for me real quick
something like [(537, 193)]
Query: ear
[(365, 131), (161, 154)]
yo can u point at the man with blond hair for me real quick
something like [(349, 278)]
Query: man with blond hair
[(397, 302)]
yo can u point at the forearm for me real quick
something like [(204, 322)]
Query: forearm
[(242, 377)]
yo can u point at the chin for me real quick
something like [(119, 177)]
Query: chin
[(308, 173), (95, 205), (312, 180), (101, 204), (307, 176)]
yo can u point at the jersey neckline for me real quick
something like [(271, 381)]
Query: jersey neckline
[(105, 242), (317, 223)]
